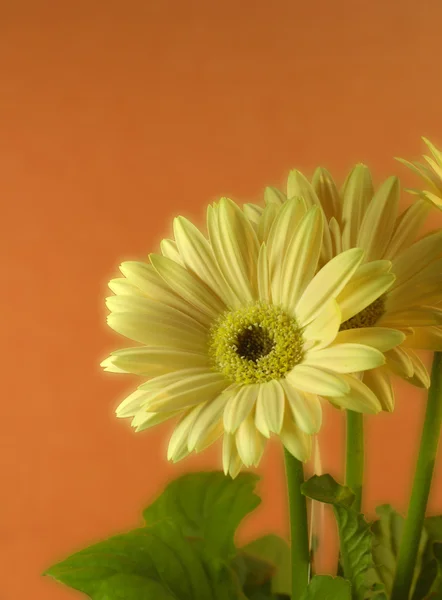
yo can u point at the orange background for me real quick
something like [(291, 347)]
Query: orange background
[(116, 116)]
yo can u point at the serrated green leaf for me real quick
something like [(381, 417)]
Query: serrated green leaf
[(155, 561), (209, 506), (324, 488), (354, 534), (274, 550), (324, 587)]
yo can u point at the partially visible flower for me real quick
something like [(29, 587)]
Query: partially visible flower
[(431, 173), (359, 216), (238, 337)]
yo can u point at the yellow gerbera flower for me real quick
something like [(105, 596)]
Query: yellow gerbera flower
[(360, 217), (431, 173), (238, 338)]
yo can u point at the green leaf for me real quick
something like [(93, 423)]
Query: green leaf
[(324, 587), (276, 552), (152, 562), (354, 534), (209, 506), (325, 489)]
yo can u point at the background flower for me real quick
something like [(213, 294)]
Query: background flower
[(359, 216)]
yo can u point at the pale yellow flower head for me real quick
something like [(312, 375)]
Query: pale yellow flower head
[(399, 291), (431, 174), (238, 335)]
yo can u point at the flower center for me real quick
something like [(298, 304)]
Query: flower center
[(367, 317), (255, 343)]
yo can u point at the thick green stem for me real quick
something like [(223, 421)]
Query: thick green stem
[(421, 486), (300, 554), (354, 465)]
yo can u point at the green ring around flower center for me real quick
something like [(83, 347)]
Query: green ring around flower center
[(255, 343)]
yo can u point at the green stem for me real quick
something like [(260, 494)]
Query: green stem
[(354, 465), (300, 554), (421, 486)]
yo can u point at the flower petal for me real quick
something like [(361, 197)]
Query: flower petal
[(305, 407), (417, 316), (192, 390), (143, 360), (232, 463), (239, 406), (298, 443), (178, 447), (379, 382), (399, 362), (407, 227), (356, 194), (147, 280), (187, 286), (416, 257), (327, 284), (250, 442), (300, 260), (209, 416), (317, 381), (360, 398), (379, 220), (381, 338), (369, 282), (169, 249), (420, 377), (425, 338), (141, 328), (263, 274), (198, 257), (269, 413), (324, 328), (235, 246), (345, 358), (327, 192)]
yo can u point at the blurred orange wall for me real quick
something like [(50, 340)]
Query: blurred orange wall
[(116, 116)]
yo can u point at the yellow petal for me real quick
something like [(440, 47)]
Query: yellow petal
[(356, 194), (381, 338), (265, 224), (379, 220), (232, 463), (369, 282), (187, 286), (192, 390), (249, 442), (324, 328), (198, 257), (417, 256), (399, 362), (145, 420), (239, 406), (317, 381), (300, 261), (420, 377), (169, 249), (122, 287), (407, 227), (274, 196), (177, 448), (425, 338), (269, 414), (147, 280), (142, 360), (328, 283), (298, 443), (150, 330), (345, 358), (209, 417), (253, 212), (360, 397), (305, 407), (327, 192), (263, 274), (418, 316), (379, 382), (235, 246)]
